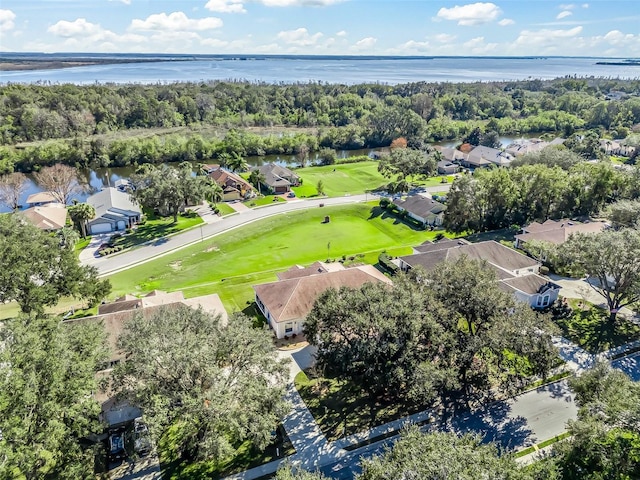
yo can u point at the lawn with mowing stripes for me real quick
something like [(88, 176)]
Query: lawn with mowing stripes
[(230, 263), (339, 180)]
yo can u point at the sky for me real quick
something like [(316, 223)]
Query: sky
[(606, 28)]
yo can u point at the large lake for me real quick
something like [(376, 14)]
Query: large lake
[(346, 70)]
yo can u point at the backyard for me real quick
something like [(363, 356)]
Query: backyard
[(350, 179), (229, 264)]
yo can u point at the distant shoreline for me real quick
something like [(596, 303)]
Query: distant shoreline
[(25, 64)]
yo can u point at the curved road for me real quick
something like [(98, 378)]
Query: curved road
[(165, 245)]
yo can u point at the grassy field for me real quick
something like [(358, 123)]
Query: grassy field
[(230, 263), (261, 201), (339, 180)]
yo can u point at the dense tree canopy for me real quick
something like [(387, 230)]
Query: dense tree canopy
[(442, 456), (167, 190), (356, 116), (611, 260), (206, 385), (413, 342), (47, 412), (543, 186), (36, 271)]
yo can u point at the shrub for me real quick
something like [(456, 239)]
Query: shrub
[(385, 261), (384, 202), (544, 270)]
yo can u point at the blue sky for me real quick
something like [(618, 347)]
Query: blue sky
[(338, 27)]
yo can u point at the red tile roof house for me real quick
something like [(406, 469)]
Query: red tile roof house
[(287, 302), (234, 187), (516, 273), (113, 316)]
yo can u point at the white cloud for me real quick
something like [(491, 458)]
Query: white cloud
[(546, 37), (298, 3), (477, 46), (365, 43), (79, 27), (214, 42), (341, 33), (444, 38), (563, 14), (176, 22), (585, 5), (505, 22), (414, 46), (299, 37), (225, 6), (6, 20), (126, 2), (567, 6), (471, 14)]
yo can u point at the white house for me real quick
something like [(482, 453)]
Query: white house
[(536, 291), (515, 272), (114, 211), (422, 209), (287, 302)]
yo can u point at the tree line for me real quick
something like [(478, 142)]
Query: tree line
[(342, 116), (549, 184)]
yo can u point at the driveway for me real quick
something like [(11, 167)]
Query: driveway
[(89, 253), (580, 289)]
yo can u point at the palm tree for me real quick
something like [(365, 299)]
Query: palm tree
[(216, 192), (257, 179), (68, 237), (80, 214), (237, 164)]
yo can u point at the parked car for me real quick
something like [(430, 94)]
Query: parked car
[(116, 445), (291, 195), (141, 438)]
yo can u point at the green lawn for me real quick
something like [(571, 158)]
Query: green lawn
[(155, 228), (81, 245), (342, 408), (351, 178), (589, 327), (434, 181), (230, 263), (266, 200), (225, 209)]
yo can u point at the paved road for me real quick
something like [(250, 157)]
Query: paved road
[(165, 245), (514, 424)]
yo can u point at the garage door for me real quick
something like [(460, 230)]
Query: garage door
[(100, 228)]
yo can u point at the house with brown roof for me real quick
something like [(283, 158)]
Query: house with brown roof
[(555, 231), (234, 187), (49, 217), (422, 209), (515, 272), (113, 316), (287, 302)]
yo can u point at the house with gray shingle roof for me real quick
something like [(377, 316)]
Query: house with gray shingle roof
[(115, 211), (515, 273), (422, 209), (278, 179)]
